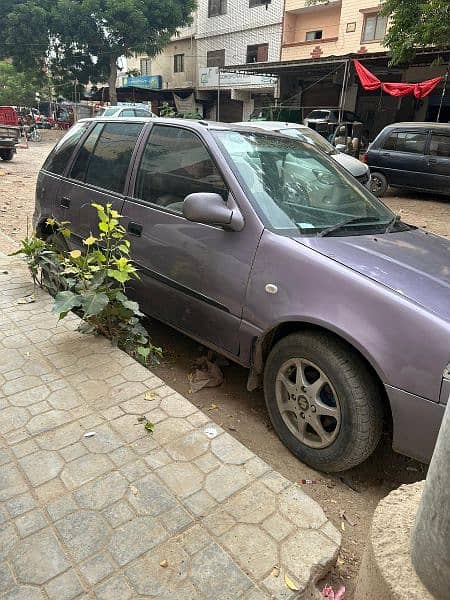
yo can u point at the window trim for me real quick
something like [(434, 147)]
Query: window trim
[(437, 134), (181, 58), (75, 151), (126, 184), (373, 13), (265, 44), (223, 53), (257, 3), (223, 7), (425, 132), (315, 39), (138, 161)]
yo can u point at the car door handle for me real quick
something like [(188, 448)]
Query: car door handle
[(65, 202), (386, 154), (432, 161), (135, 229)]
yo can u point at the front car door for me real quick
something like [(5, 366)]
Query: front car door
[(98, 174), (193, 276), (439, 161)]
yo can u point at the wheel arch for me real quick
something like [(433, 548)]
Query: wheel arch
[(270, 337)]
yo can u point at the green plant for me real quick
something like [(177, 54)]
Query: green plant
[(167, 111), (93, 282)]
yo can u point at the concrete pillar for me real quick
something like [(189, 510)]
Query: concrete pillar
[(430, 542)]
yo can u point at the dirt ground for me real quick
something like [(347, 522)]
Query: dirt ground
[(349, 498)]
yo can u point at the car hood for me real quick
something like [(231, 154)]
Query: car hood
[(412, 263), (352, 164)]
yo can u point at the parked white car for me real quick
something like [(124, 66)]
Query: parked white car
[(354, 166), (127, 110)]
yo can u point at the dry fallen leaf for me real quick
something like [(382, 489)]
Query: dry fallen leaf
[(343, 526), (291, 585), (134, 490), (276, 571), (150, 396), (164, 563), (212, 407)]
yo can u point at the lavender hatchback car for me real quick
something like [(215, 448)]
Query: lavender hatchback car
[(264, 249)]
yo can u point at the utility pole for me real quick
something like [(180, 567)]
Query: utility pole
[(218, 96), (444, 89), (430, 541), (344, 89)]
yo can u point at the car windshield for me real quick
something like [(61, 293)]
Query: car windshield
[(319, 114), (297, 189), (310, 137)]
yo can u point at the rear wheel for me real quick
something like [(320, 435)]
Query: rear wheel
[(7, 154), (322, 400), (378, 184)]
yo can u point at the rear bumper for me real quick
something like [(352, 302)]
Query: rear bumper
[(416, 423)]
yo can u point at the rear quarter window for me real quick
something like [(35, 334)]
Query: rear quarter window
[(61, 154)]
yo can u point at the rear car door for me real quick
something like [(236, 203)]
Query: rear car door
[(402, 158), (193, 276), (439, 162), (97, 174)]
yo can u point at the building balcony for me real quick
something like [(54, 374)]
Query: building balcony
[(302, 6)]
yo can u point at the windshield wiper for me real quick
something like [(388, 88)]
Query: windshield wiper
[(343, 224), (392, 223)]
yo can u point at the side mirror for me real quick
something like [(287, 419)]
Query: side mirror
[(210, 209)]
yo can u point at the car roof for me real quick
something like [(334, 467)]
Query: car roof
[(271, 125), (199, 125), (419, 125)]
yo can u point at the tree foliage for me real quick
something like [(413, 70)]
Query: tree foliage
[(416, 24), (83, 39), (18, 88)]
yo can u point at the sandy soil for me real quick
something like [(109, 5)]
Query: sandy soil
[(356, 492)]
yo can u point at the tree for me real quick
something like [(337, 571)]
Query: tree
[(17, 88), (83, 39), (416, 24)]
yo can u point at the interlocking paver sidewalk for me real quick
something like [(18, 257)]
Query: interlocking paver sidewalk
[(93, 517)]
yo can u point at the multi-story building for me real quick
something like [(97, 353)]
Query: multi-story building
[(318, 44), (235, 32), (170, 75)]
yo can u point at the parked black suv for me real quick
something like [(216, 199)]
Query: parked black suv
[(411, 155)]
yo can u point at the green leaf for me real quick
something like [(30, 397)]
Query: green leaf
[(134, 306), (149, 426), (93, 303), (103, 226), (65, 301), (121, 276)]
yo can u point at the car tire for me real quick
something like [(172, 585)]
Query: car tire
[(7, 155), (378, 184), (347, 390)]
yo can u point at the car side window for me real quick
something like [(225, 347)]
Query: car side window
[(140, 112), (411, 142), (390, 142), (61, 154), (127, 112), (175, 164), (80, 165), (105, 156), (440, 145)]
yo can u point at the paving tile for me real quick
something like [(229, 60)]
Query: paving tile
[(96, 568), (47, 421), (119, 513), (225, 481), (83, 532), (134, 538), (116, 588), (11, 482), (253, 548), (41, 466), (216, 575), (12, 418), (61, 507), (8, 538), (74, 451), (150, 497), (64, 587), (38, 558), (135, 470), (6, 577), (84, 469), (30, 522), (229, 450), (24, 592), (102, 491)]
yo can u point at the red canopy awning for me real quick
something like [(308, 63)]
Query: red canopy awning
[(370, 82)]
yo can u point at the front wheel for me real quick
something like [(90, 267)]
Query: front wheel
[(322, 400), (35, 135)]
